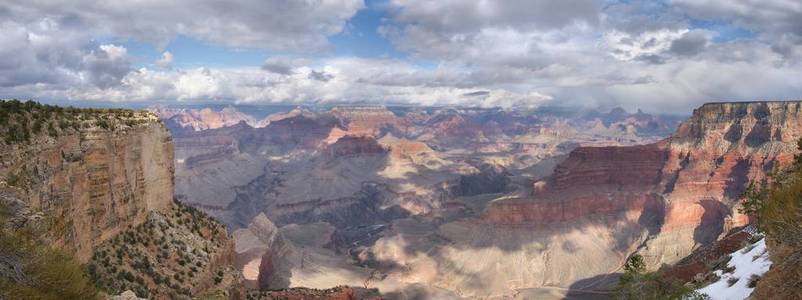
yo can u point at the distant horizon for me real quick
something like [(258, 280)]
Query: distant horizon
[(217, 106)]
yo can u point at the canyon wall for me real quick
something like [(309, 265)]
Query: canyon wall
[(714, 156), (91, 184), (682, 191)]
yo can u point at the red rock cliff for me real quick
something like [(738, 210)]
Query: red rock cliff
[(684, 190), (592, 181)]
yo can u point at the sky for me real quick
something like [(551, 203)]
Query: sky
[(659, 56)]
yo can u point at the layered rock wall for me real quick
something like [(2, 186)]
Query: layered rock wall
[(601, 181), (683, 191), (91, 185)]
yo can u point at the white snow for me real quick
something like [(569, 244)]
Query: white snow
[(753, 261)]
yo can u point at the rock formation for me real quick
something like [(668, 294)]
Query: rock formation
[(99, 184), (682, 192), (354, 146), (369, 120), (259, 249), (94, 183)]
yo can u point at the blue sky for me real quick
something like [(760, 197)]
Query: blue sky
[(360, 38)]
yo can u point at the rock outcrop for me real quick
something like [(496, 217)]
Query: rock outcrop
[(584, 184), (94, 183), (354, 146), (98, 183), (369, 120), (260, 248)]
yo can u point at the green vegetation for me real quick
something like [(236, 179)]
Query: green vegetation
[(636, 283), (30, 269), (777, 206), (166, 255), (26, 120)]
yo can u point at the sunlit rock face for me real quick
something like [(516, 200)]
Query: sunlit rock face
[(714, 156), (369, 120)]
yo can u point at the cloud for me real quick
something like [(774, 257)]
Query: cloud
[(320, 76), (166, 61), (454, 29), (477, 94), (626, 46), (279, 65), (107, 65), (336, 80), (690, 43), (455, 17), (273, 24), (38, 53), (636, 54), (776, 22)]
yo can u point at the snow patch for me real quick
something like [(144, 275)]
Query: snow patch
[(750, 260)]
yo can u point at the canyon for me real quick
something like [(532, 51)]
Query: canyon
[(360, 202), (402, 199), (405, 199)]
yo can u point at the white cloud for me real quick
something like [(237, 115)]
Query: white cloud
[(626, 46), (347, 79), (106, 66), (283, 64), (273, 24), (166, 61)]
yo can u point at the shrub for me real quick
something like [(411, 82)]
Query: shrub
[(753, 280), (49, 273), (635, 283), (777, 209), (103, 123)]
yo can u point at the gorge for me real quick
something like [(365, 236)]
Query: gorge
[(405, 201), (377, 202)]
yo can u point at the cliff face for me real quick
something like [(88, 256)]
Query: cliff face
[(682, 191), (600, 181), (714, 156), (92, 184)]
